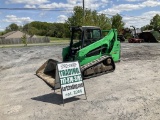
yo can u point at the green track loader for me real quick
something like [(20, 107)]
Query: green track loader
[(96, 54)]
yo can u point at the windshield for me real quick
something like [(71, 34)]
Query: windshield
[(93, 34)]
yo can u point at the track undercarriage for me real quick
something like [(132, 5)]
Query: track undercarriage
[(98, 67)]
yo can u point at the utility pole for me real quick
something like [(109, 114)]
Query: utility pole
[(83, 11)]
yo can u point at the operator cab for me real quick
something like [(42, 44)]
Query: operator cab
[(91, 35), (82, 37)]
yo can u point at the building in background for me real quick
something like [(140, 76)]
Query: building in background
[(14, 34)]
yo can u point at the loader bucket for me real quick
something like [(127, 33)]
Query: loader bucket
[(47, 72)]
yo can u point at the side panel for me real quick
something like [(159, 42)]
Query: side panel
[(116, 51)]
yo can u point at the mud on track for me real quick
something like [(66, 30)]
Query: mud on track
[(131, 92)]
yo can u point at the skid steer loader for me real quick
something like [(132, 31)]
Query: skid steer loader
[(96, 54)]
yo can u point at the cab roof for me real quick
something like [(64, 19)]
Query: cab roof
[(84, 27)]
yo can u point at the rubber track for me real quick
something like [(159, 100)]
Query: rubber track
[(93, 63)]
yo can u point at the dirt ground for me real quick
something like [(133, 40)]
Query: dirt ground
[(131, 92)]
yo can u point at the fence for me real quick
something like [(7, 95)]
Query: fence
[(29, 40)]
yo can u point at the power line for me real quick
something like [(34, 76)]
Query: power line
[(123, 15), (47, 9), (64, 10)]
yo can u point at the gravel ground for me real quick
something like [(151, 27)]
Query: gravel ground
[(131, 92)]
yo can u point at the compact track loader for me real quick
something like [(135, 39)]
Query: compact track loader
[(96, 54)]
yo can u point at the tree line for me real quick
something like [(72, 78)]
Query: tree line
[(78, 18)]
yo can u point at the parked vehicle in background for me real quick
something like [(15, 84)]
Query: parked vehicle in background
[(135, 38), (150, 36)]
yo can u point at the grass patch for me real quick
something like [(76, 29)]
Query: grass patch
[(58, 39), (53, 41), (34, 44)]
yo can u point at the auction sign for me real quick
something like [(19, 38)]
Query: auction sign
[(70, 79)]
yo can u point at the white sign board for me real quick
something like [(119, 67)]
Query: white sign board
[(70, 79)]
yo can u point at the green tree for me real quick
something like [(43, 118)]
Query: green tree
[(24, 39), (46, 29), (59, 30), (12, 27), (91, 18), (146, 27), (104, 22), (77, 18), (25, 28), (117, 22), (32, 31), (127, 33), (155, 22)]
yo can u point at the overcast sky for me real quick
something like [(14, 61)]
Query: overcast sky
[(134, 12)]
